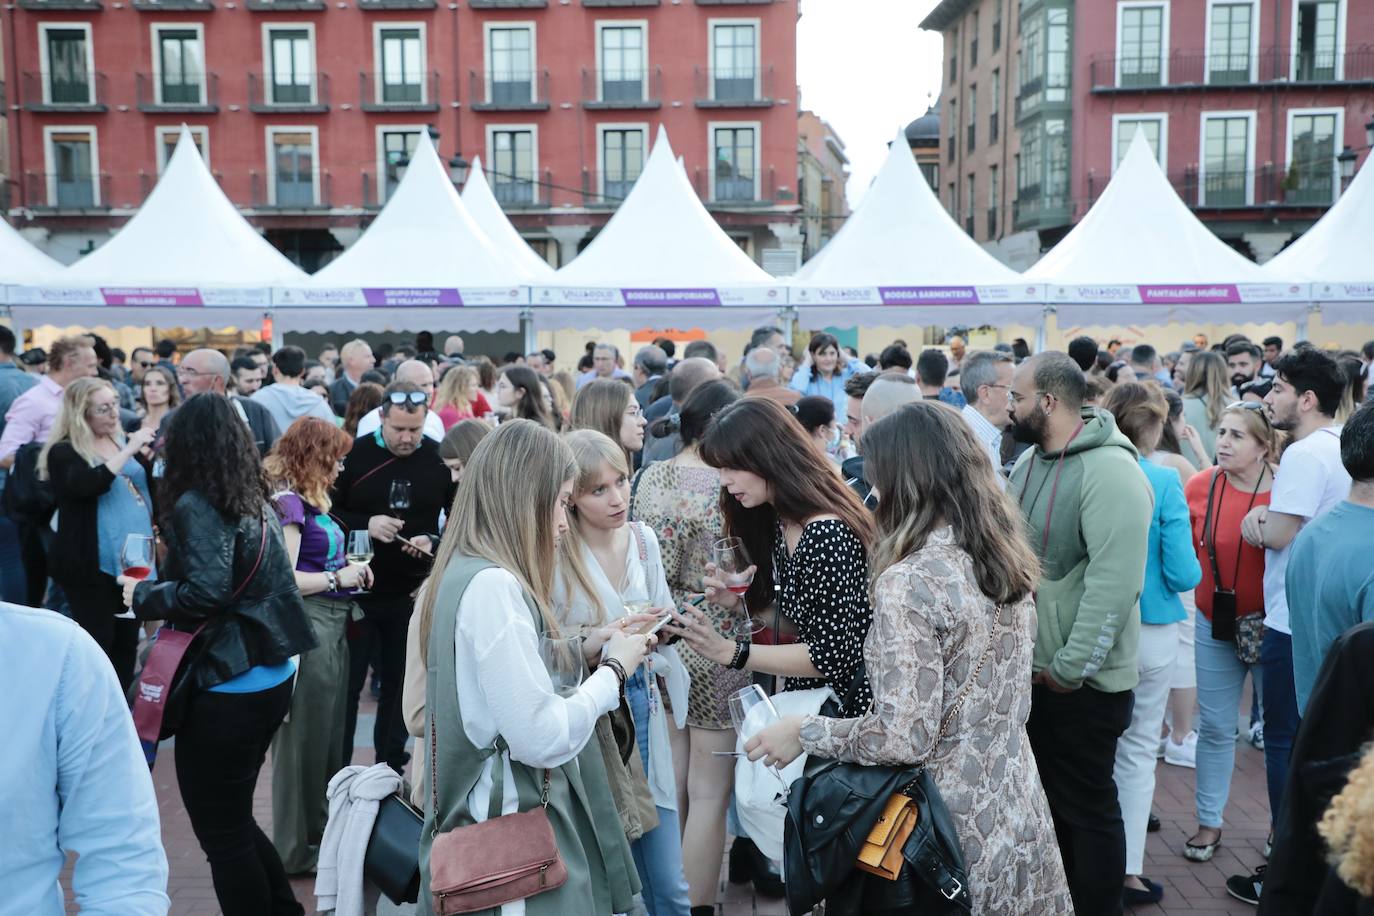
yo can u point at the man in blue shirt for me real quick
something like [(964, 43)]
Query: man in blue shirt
[(14, 381), (72, 778), (1330, 582)]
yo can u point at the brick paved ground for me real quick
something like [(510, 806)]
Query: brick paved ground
[(1189, 887)]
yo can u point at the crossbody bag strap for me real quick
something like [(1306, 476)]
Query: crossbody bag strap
[(392, 460), (1209, 539)]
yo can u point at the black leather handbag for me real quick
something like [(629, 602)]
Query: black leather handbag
[(392, 861)]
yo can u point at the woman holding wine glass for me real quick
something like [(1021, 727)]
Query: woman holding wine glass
[(611, 570), (680, 500), (306, 750), (99, 480)]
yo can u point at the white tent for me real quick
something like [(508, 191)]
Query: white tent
[(491, 219), (660, 254), (422, 257), (20, 262), (1141, 255), (186, 257), (901, 259), (1337, 255)]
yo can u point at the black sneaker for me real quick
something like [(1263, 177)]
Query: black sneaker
[(1153, 893), (1247, 887), (1152, 825)]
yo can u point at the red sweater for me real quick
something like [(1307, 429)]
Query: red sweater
[(1229, 506)]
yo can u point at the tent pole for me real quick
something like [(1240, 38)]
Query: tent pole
[(787, 320), (278, 335), (527, 330), (1040, 331), (1302, 322)]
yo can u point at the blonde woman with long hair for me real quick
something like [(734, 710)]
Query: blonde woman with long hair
[(459, 397), (492, 711), (100, 482), (1206, 392), (609, 407), (611, 569), (949, 657)]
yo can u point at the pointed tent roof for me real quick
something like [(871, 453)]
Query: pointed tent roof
[(21, 262), (1334, 255), (491, 219), (185, 249), (660, 249), (1140, 244)]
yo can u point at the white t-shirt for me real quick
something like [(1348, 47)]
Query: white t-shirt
[(1310, 481), (371, 421)]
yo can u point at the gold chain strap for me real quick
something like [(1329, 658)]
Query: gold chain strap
[(963, 694)]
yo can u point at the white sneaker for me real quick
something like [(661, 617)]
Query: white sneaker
[(1256, 736), (1182, 754)]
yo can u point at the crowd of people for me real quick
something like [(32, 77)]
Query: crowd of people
[(1027, 574)]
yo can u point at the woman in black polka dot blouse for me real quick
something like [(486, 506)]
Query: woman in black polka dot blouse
[(809, 536)]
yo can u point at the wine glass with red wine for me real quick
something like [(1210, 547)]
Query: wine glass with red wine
[(733, 564), (136, 557)]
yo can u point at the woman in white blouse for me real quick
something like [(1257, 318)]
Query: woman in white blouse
[(611, 570), (490, 701)]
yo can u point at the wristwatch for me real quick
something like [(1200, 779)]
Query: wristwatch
[(332, 580)]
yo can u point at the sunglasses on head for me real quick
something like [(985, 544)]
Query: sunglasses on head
[(1256, 406), (403, 397)]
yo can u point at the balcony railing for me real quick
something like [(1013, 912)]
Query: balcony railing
[(190, 97), (1193, 70), (390, 92), (616, 89), (605, 189), (49, 91), (308, 93), (1267, 187), (296, 193), (67, 192), (1030, 209), (736, 190), (517, 191), (509, 90), (750, 88)]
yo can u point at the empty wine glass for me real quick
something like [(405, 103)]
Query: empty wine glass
[(136, 557), (732, 562), (564, 660), (751, 711), (400, 495)]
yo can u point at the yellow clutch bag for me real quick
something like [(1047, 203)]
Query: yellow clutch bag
[(881, 854)]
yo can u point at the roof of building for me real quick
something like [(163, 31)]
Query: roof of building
[(945, 13), (925, 130)]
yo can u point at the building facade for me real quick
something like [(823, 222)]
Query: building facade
[(1247, 104), (822, 173), (923, 136), (305, 108)]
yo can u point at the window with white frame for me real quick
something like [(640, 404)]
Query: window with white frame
[(294, 159), (395, 146), (1231, 29), (622, 62), (72, 166), (994, 105), (401, 55), (1140, 40), (513, 165), (971, 116), (622, 159), (291, 66), (1226, 143), (180, 65), (734, 150), (970, 186), (1312, 148), (167, 138), (1124, 129), (1316, 40), (67, 59), (734, 61), (510, 64)]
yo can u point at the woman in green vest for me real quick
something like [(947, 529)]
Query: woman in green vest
[(494, 717)]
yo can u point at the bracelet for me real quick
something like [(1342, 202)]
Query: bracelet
[(619, 670), (741, 657), (331, 581)]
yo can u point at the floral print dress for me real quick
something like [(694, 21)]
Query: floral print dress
[(682, 506), (932, 626)]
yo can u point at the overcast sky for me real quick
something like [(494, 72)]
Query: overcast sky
[(867, 68)]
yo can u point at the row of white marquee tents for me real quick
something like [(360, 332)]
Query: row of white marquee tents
[(1139, 255)]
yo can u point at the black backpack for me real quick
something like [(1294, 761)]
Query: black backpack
[(28, 500)]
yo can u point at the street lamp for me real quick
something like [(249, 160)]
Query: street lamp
[(458, 169), (1346, 161), (1369, 132)]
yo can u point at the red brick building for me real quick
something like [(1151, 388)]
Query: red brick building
[(304, 108)]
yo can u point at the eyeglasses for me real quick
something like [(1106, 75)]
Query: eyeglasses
[(402, 397), (104, 410), (188, 372), (145, 364)]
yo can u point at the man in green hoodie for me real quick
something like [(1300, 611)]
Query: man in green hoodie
[(1087, 507)]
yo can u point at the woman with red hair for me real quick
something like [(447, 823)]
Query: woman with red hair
[(306, 750)]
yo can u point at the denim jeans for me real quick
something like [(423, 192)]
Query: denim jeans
[(1280, 713), (1137, 747), (1220, 680), (658, 853), (13, 586)]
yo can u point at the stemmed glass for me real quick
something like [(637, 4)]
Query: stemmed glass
[(400, 496), (359, 552), (635, 599), (564, 660), (732, 562), (136, 557), (751, 711)]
